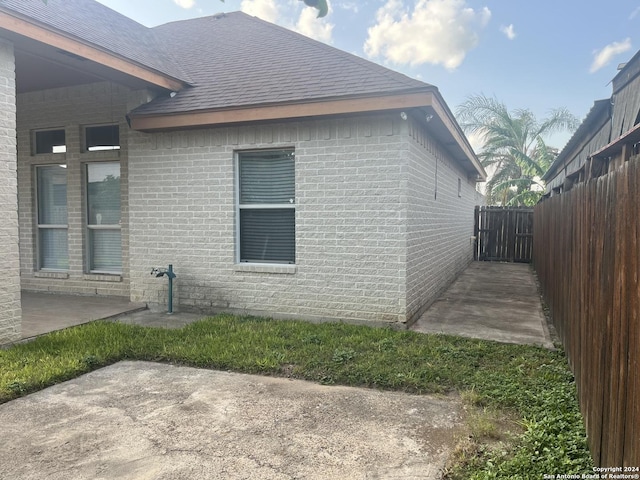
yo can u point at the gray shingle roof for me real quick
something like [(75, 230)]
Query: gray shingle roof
[(97, 24), (235, 60), (230, 60)]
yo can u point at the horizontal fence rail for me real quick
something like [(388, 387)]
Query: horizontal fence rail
[(586, 255), (504, 234)]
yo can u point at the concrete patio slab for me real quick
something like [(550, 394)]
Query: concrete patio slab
[(490, 301), (140, 420), (44, 312)]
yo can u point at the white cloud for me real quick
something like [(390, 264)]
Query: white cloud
[(185, 3), (435, 31), (264, 9), (350, 6), (476, 140), (602, 57), (307, 23), (634, 14), (508, 31), (317, 28)]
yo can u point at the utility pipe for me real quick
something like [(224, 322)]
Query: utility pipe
[(171, 276)]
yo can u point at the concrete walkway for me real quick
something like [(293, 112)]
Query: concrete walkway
[(490, 301), (44, 312)]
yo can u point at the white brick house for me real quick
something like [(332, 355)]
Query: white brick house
[(346, 195)]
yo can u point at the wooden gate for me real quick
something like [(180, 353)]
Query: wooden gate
[(504, 234)]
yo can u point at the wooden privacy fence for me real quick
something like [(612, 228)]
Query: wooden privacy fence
[(504, 234), (586, 256)]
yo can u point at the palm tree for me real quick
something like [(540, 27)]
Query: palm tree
[(514, 149)]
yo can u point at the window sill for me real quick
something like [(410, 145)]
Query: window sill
[(264, 268), (56, 275), (100, 155), (102, 277), (53, 157)]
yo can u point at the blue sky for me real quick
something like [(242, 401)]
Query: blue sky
[(529, 54)]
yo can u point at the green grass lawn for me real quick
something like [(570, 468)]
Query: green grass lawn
[(526, 387)]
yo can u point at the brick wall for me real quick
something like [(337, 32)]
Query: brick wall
[(439, 220), (372, 242), (349, 234), (70, 108), (10, 310), (367, 248)]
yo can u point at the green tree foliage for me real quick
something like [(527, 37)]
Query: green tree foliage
[(515, 152)]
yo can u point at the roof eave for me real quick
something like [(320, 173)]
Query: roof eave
[(458, 144), (427, 98), (615, 147), (277, 111), (28, 28)]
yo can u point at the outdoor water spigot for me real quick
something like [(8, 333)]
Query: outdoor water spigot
[(161, 272), (157, 272)]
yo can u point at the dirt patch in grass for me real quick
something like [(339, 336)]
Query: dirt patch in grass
[(487, 433)]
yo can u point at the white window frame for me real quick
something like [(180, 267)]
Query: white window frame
[(89, 227), (48, 226), (253, 206)]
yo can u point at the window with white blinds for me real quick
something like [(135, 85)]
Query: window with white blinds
[(266, 206), (104, 243), (53, 249)]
